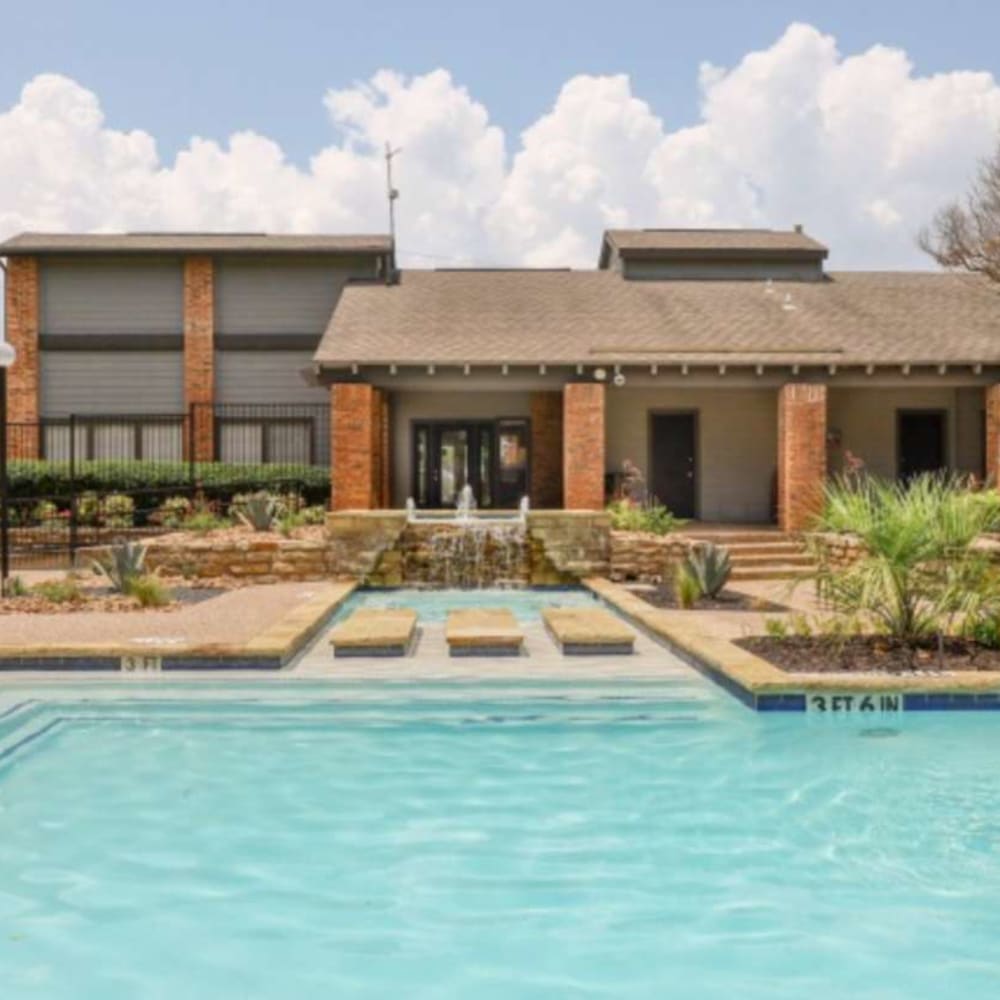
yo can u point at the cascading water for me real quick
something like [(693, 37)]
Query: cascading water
[(470, 549)]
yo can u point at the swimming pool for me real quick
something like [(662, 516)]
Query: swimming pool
[(433, 605), (305, 840)]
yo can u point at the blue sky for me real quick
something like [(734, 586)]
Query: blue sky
[(527, 127), (210, 68)]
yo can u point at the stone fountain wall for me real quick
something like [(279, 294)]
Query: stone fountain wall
[(383, 549)]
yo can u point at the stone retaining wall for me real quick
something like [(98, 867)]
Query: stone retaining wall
[(645, 557), (259, 557), (384, 549)]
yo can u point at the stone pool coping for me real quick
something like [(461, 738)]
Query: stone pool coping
[(766, 688), (271, 649)]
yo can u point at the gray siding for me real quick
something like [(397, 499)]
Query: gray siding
[(112, 295), (271, 296), (298, 427), (88, 382), (265, 377)]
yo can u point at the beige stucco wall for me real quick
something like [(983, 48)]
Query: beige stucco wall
[(737, 443), (475, 404), (866, 422)]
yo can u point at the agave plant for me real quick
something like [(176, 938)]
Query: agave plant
[(258, 511), (126, 562), (711, 566)]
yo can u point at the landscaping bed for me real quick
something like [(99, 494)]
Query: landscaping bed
[(870, 654), (76, 597), (728, 600)]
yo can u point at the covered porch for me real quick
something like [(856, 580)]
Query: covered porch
[(732, 448)]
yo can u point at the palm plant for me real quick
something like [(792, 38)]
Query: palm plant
[(919, 568)]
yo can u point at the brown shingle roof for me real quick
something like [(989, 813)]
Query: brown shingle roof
[(33, 243), (705, 243), (572, 317)]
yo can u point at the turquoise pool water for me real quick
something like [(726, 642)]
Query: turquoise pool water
[(434, 605), (652, 843)]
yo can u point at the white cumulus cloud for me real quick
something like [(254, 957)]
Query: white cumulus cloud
[(859, 148)]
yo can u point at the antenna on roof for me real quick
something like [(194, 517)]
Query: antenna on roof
[(392, 194)]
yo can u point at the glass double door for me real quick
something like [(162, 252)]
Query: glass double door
[(490, 456)]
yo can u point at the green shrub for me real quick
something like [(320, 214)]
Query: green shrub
[(65, 591), (147, 482), (776, 628), (87, 506), (16, 587), (149, 591), (651, 516), (173, 512), (204, 521), (985, 630), (125, 563), (314, 514), (710, 565), (117, 510), (687, 589), (46, 513)]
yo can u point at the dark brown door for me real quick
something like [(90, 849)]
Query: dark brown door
[(674, 471), (921, 442)]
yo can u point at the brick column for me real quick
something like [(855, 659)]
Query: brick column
[(546, 449), (385, 487), (199, 354), (583, 446), (801, 454), (21, 312), (992, 400), (356, 442)]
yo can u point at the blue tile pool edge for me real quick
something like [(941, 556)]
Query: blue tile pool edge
[(797, 700)]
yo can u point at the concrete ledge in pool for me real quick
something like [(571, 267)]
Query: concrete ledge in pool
[(765, 688), (271, 649)]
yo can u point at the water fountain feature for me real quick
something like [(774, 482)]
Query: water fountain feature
[(468, 548)]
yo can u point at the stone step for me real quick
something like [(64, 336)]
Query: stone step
[(776, 549), (777, 571), (736, 537), (792, 558)]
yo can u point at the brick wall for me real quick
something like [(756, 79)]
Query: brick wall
[(546, 449), (993, 434), (199, 353), (356, 442), (583, 446), (801, 454), (21, 310)]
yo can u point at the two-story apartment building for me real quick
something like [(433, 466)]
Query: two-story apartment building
[(150, 325), (730, 364)]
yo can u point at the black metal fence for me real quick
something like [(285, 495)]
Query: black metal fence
[(84, 480)]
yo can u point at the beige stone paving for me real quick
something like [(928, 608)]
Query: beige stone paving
[(231, 618), (799, 600)]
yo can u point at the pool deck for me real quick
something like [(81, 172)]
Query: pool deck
[(281, 631), (261, 628)]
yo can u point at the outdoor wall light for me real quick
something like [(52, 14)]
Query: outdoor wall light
[(618, 381), (600, 374)]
